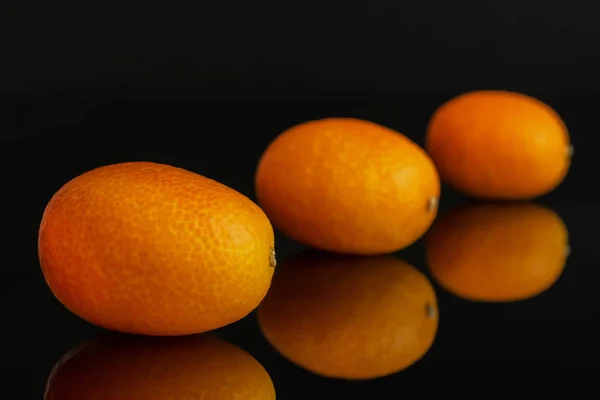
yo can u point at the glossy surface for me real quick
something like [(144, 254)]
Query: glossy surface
[(544, 343), (116, 366), (349, 317), (497, 252)]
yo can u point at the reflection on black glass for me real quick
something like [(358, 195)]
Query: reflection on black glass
[(497, 252), (117, 366), (349, 317)]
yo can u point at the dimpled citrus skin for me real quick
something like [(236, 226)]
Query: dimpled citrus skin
[(152, 249), (349, 317), (348, 186), (115, 366), (499, 145), (497, 252)]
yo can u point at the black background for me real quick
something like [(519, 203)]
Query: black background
[(206, 86), (232, 48)]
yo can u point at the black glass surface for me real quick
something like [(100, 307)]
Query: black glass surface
[(520, 332)]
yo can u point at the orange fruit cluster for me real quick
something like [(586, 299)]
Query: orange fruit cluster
[(352, 186), (152, 249)]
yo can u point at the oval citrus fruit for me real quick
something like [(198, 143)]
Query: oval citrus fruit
[(349, 317), (497, 252), (116, 366), (152, 249), (499, 145), (348, 186)]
